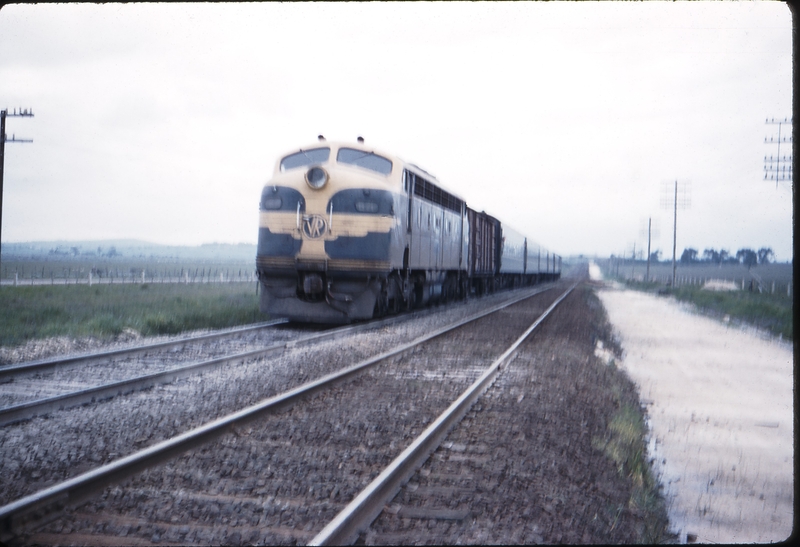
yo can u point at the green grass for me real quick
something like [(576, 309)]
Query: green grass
[(772, 312), (624, 444), (103, 311)]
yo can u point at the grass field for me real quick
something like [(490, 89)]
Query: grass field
[(103, 311), (123, 269)]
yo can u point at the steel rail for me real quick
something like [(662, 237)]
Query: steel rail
[(47, 504), (46, 364), (27, 410), (360, 512)]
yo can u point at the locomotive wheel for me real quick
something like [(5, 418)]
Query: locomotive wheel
[(396, 301), (380, 306), (381, 303)]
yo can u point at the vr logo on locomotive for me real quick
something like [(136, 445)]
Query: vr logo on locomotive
[(314, 226)]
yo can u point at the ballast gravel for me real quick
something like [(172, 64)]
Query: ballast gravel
[(527, 464), (37, 385), (281, 479)]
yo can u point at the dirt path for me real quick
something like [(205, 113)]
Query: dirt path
[(720, 408)]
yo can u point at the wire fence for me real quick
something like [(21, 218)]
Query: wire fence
[(774, 279), (108, 276), (743, 283)]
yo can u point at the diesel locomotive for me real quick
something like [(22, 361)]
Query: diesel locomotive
[(347, 232)]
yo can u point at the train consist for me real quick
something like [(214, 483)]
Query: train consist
[(348, 233)]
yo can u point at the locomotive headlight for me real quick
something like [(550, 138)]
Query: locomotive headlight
[(316, 177)]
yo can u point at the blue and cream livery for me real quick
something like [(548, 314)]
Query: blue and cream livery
[(347, 232)]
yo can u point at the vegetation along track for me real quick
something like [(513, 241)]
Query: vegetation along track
[(77, 440)]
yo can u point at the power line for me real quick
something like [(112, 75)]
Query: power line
[(778, 168), (25, 113)]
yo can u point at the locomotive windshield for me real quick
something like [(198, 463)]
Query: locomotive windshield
[(305, 157), (367, 160)]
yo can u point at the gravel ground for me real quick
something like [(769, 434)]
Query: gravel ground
[(282, 478), (524, 466), (49, 449)]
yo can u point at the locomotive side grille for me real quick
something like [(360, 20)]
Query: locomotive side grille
[(433, 193)]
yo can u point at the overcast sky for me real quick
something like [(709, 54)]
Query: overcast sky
[(162, 122)]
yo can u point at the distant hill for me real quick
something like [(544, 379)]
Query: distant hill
[(128, 248)]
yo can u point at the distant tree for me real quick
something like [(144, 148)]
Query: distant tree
[(689, 255), (765, 255), (655, 256), (711, 255), (748, 257), (112, 251), (724, 255)]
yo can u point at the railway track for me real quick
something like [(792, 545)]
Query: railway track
[(196, 399), (317, 441), (40, 387)]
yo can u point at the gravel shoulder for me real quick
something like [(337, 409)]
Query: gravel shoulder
[(721, 417)]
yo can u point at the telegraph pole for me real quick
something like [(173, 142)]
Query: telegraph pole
[(651, 233), (3, 140), (683, 203), (778, 168), (674, 234), (649, 229)]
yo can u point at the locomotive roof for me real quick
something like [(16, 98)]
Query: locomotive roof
[(362, 146)]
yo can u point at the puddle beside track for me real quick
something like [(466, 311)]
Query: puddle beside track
[(720, 408)]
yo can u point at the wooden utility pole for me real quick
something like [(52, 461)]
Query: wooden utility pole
[(674, 233), (674, 204), (649, 230), (3, 141)]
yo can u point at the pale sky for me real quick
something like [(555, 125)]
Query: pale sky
[(162, 122)]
